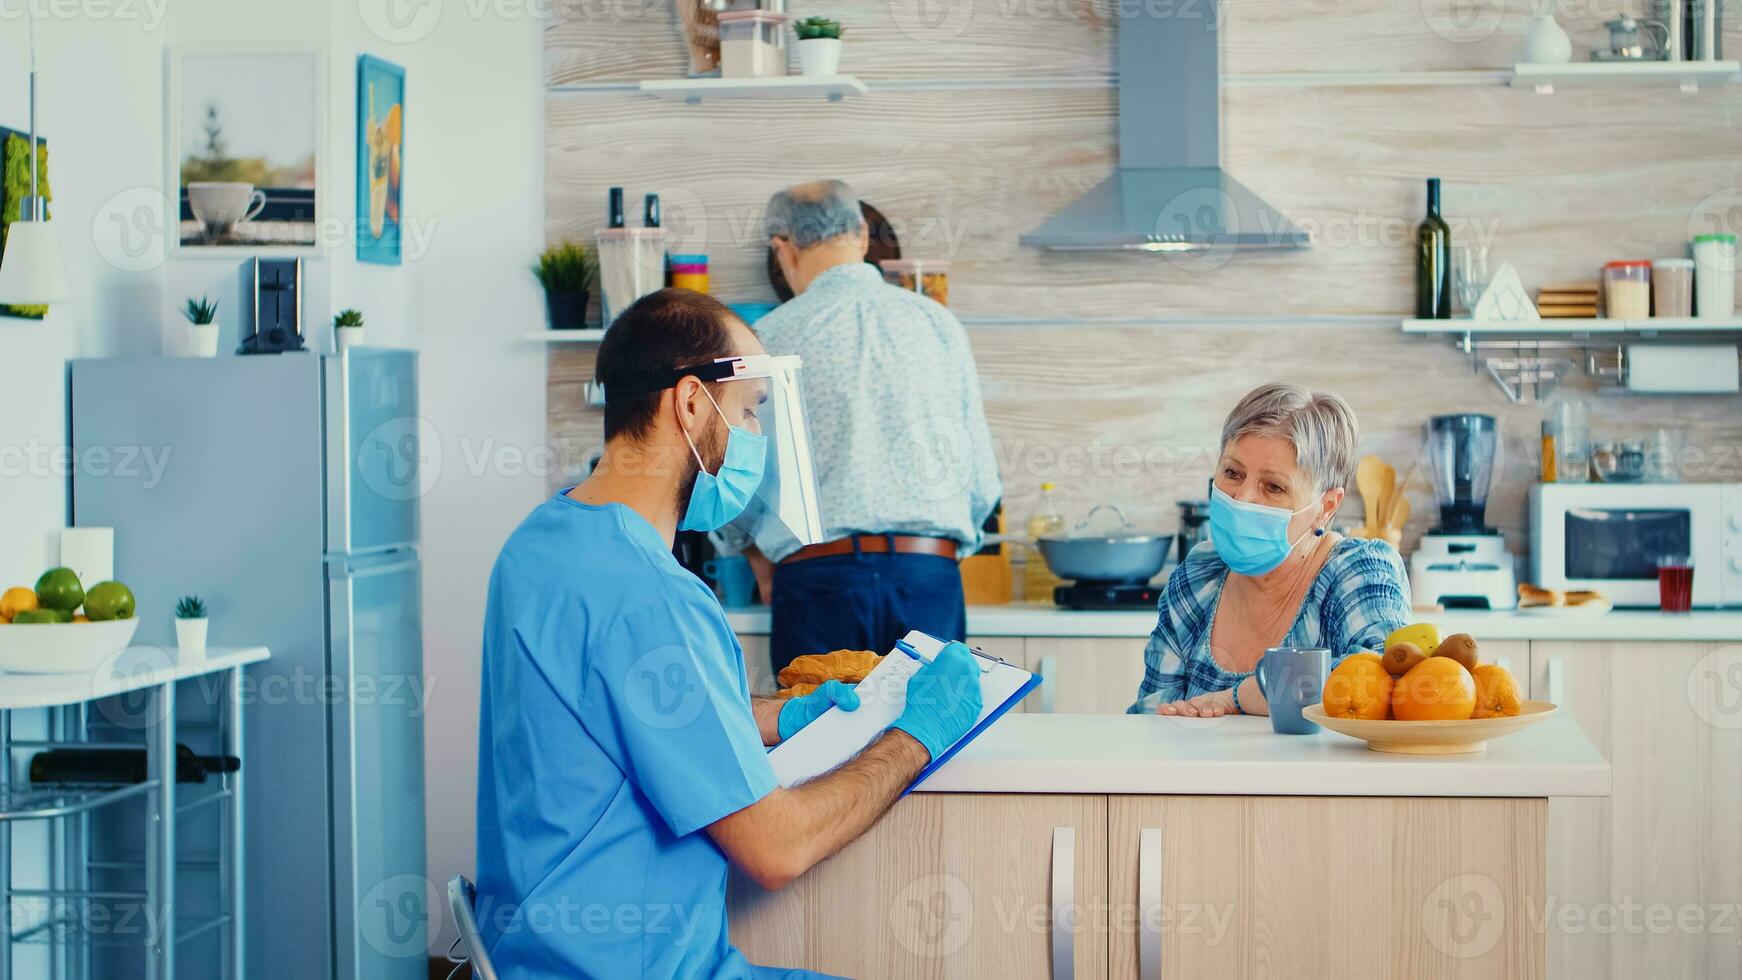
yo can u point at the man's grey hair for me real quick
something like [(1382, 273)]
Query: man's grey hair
[(810, 214), (1321, 427)]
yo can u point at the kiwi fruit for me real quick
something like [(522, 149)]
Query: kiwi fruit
[(1460, 647), (1400, 657)]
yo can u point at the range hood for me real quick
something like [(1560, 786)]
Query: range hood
[(1170, 193)]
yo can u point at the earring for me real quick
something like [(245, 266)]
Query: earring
[(1318, 532)]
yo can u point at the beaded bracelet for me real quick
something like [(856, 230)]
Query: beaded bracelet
[(1236, 689)]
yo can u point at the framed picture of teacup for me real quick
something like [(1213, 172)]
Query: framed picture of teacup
[(246, 141), (380, 159)]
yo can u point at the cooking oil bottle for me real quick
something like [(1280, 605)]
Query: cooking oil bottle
[(1038, 581)]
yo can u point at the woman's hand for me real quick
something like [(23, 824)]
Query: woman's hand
[(1212, 705)]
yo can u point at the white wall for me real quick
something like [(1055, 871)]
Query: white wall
[(473, 178)]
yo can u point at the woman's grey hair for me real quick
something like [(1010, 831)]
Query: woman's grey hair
[(1322, 428), (813, 213)]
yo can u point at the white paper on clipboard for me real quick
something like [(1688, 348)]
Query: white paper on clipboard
[(839, 735)]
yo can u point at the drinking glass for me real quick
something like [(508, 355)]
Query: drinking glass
[(1675, 583), (1470, 275), (1573, 442), (1663, 456)]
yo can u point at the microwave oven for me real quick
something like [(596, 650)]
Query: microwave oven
[(1608, 537)]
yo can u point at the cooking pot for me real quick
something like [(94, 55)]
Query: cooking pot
[(1124, 554)]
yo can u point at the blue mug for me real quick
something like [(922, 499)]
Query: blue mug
[(732, 578), (1291, 678)]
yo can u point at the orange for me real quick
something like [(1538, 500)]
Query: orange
[(1359, 687), (1437, 689), (1496, 692)]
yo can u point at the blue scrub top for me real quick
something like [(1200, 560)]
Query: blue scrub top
[(615, 725)]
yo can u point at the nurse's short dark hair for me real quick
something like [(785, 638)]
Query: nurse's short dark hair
[(662, 331)]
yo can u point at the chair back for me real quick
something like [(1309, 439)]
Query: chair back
[(461, 898)]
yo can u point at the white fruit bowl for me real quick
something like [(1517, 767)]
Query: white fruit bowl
[(62, 648)]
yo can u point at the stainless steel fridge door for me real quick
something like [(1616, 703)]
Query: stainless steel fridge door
[(381, 890), (376, 452)]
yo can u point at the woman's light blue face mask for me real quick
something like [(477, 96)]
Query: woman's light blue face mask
[(718, 498), (1252, 538)]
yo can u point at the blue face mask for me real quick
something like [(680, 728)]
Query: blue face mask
[(720, 497), (1251, 538)]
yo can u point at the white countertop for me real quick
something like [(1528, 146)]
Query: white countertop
[(132, 669), (1241, 756), (1023, 619)]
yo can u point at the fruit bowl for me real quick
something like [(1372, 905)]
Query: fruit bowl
[(1431, 737), (62, 648)]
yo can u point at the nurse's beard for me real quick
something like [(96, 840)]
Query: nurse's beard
[(713, 449)]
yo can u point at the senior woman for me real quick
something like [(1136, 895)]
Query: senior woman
[(1273, 572)]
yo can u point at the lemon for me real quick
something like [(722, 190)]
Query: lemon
[(15, 601)]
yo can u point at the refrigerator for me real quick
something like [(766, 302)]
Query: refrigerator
[(283, 490)]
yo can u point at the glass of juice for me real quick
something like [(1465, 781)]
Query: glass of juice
[(1675, 583)]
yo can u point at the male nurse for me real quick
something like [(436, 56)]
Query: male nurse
[(622, 762)]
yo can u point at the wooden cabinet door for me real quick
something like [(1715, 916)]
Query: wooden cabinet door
[(1648, 882), (946, 885), (1324, 887), (1085, 675)]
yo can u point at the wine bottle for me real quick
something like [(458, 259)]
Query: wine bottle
[(614, 208), (105, 767), (1433, 261)]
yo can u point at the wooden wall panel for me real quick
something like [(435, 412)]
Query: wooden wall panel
[(929, 40), (631, 40), (1556, 185), (1131, 414)]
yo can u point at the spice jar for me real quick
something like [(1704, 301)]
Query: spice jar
[(1672, 287), (930, 277), (752, 44), (1627, 290)]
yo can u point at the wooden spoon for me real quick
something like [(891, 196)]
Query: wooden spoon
[(1375, 480)]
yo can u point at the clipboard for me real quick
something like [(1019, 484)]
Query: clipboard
[(838, 735)]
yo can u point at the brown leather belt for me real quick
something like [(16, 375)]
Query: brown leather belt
[(876, 544)]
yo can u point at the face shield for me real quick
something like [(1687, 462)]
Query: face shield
[(789, 485), (788, 492)]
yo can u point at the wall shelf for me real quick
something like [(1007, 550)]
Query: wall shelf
[(588, 336), (1688, 75), (693, 90), (1528, 358)]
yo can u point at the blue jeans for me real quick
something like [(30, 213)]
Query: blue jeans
[(863, 602)]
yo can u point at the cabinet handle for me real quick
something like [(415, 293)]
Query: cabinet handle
[(1149, 845), (1557, 687), (1049, 684), (1064, 903)]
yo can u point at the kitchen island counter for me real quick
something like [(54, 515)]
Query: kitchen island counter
[(1240, 755), (1037, 619)]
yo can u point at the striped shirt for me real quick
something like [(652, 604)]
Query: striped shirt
[(1358, 598)]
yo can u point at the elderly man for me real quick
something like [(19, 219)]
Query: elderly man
[(621, 760), (905, 469)]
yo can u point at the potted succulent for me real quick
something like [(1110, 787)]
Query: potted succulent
[(348, 330), (190, 628), (819, 45), (566, 271), (202, 313)]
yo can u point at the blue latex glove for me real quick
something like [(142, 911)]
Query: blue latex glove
[(801, 711), (943, 700)]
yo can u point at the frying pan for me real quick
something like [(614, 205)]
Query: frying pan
[(1125, 554)]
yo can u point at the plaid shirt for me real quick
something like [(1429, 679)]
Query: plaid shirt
[(1359, 597)]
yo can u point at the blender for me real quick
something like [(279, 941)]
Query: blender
[(1462, 563)]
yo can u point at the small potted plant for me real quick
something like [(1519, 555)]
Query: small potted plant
[(819, 45), (202, 313), (348, 330), (566, 271), (190, 628)]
